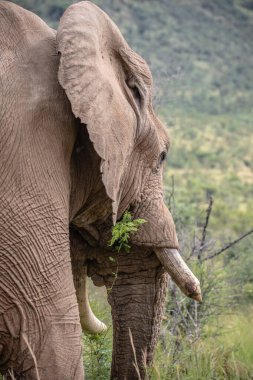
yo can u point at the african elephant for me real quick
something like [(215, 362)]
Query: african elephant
[(79, 145)]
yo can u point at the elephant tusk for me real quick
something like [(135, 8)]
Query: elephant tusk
[(89, 322), (179, 272)]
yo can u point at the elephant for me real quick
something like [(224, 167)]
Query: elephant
[(80, 145)]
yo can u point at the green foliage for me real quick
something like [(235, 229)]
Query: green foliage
[(212, 156), (97, 356), (239, 262), (122, 230)]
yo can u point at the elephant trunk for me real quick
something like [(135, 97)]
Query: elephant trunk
[(137, 302)]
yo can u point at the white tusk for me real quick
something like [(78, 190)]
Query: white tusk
[(179, 272), (89, 322)]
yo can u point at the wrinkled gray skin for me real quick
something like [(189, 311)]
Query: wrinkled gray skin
[(79, 144)]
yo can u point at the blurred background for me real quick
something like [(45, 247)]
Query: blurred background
[(201, 56)]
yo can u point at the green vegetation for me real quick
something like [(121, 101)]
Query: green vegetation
[(98, 348), (122, 230), (226, 357), (200, 53)]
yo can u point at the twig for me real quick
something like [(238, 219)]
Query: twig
[(32, 355), (227, 246), (135, 363), (10, 372), (193, 245), (170, 198), (190, 316), (115, 277), (203, 239), (179, 311)]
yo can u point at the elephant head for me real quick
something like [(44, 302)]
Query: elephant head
[(80, 145), (109, 87)]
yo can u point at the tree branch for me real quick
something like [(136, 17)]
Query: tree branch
[(203, 239), (204, 230), (229, 245)]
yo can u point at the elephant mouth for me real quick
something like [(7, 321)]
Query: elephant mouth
[(169, 258), (180, 273), (99, 268)]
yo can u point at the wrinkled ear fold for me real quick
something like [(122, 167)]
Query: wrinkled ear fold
[(91, 73)]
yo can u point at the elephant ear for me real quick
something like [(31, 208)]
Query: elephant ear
[(92, 75)]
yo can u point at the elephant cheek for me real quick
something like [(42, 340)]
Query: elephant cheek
[(137, 308)]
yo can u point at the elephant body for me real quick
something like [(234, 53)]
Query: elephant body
[(79, 145), (36, 288)]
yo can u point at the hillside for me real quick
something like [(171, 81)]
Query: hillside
[(203, 49)]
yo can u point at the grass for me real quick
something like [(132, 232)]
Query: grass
[(201, 362), (228, 356), (239, 337), (98, 348)]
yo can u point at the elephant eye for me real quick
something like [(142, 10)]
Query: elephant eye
[(161, 158), (131, 83)]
